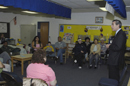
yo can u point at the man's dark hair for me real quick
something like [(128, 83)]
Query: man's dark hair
[(118, 22), (87, 38), (38, 56), (49, 42)]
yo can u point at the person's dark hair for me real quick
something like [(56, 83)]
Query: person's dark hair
[(95, 39), (118, 22), (38, 56), (76, 42), (49, 42), (34, 40), (4, 42), (87, 38), (59, 36)]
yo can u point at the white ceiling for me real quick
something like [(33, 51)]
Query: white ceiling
[(85, 6)]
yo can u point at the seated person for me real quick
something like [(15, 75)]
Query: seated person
[(38, 69), (79, 52), (49, 49), (9, 49), (6, 48), (103, 47), (5, 56), (36, 44), (4, 67), (2, 39), (60, 47), (94, 53), (87, 44)]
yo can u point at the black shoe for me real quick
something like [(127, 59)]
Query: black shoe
[(61, 63), (95, 67), (56, 58), (90, 66)]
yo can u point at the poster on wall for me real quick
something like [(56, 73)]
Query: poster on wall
[(68, 37), (83, 36), (3, 27), (69, 27), (62, 28), (93, 27), (126, 32), (126, 27)]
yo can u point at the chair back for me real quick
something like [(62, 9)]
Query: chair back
[(70, 47), (123, 73), (16, 51), (11, 79), (53, 45), (34, 82)]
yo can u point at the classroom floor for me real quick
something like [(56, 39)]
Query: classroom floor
[(69, 75)]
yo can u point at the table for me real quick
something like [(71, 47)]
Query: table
[(27, 57)]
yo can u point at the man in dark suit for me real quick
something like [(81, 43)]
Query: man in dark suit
[(116, 50)]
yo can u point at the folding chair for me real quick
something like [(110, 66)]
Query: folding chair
[(37, 82)]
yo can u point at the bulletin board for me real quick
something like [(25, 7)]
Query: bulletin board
[(79, 30), (5, 29)]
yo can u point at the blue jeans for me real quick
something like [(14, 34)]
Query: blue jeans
[(5, 57), (93, 57), (60, 54)]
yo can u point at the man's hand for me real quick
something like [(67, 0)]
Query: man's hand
[(107, 46), (82, 51)]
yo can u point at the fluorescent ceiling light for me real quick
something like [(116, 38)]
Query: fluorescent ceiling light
[(103, 8), (3, 7), (30, 12), (95, 0), (127, 6)]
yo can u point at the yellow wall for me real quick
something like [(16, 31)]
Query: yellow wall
[(79, 30)]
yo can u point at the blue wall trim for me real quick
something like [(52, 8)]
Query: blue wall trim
[(39, 6)]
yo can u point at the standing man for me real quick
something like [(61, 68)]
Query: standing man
[(60, 47), (116, 50)]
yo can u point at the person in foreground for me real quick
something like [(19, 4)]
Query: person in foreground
[(38, 69), (79, 53), (116, 51), (60, 47)]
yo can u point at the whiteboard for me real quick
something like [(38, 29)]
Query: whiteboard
[(3, 27)]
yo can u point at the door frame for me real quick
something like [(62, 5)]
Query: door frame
[(38, 27)]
